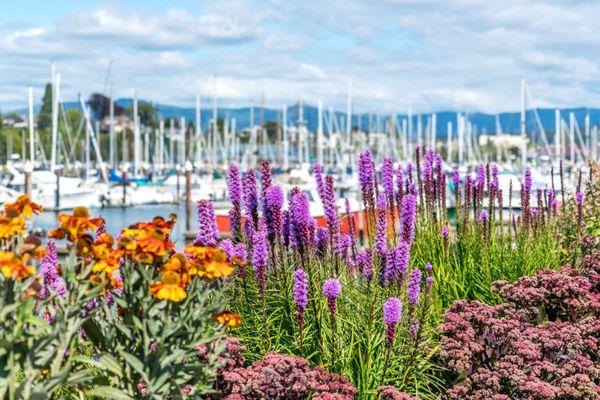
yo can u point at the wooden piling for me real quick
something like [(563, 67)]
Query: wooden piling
[(57, 193), (188, 196)]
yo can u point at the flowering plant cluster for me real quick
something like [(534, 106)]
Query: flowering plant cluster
[(542, 342), (117, 318)]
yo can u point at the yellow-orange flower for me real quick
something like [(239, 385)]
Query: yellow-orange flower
[(76, 225), (11, 226), (23, 205), (13, 266), (208, 262), (229, 319), (155, 242), (170, 287)]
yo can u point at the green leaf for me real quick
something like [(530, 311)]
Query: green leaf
[(108, 392)]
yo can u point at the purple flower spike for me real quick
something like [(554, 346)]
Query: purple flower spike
[(234, 184), (207, 225), (260, 254), (413, 287), (366, 176), (318, 170), (330, 208), (264, 168), (300, 295), (272, 213), (387, 178), (331, 290), (483, 216), (381, 233), (299, 220), (392, 313), (51, 280), (409, 207), (249, 185), (364, 262), (445, 232)]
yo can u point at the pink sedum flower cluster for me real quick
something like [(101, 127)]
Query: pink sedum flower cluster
[(541, 343), (279, 376)]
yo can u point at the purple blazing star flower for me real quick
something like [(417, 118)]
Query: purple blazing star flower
[(409, 207), (318, 170), (51, 280), (207, 225), (330, 208), (323, 239), (387, 178), (445, 232), (366, 175), (260, 253), (249, 186), (234, 184), (331, 290), (392, 313), (264, 168), (364, 261), (239, 252), (381, 233), (300, 220), (579, 201), (227, 246), (273, 203), (413, 287), (300, 295), (483, 216)]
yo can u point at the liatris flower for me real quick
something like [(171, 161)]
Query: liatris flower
[(428, 173), (387, 178), (366, 175), (409, 172), (364, 262), (234, 185), (390, 271), (409, 206), (331, 290), (318, 170), (396, 265), (456, 179), (239, 252), (299, 220), (323, 239), (207, 225), (381, 234), (399, 183), (51, 280), (300, 295), (429, 279), (260, 254), (227, 246), (526, 196), (330, 209), (483, 216), (392, 313), (273, 202), (264, 168), (250, 196), (413, 287), (579, 201)]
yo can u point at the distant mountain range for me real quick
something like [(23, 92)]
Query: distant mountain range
[(482, 122)]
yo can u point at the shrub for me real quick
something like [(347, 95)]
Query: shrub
[(542, 342)]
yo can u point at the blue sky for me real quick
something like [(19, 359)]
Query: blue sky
[(429, 55)]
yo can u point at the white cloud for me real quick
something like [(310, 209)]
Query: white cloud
[(428, 55)]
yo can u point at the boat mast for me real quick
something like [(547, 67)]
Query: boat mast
[(320, 132), (523, 126), (111, 132), (55, 101), (198, 132), (136, 138), (557, 133), (31, 132), (449, 141)]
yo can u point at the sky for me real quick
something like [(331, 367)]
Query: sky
[(426, 55)]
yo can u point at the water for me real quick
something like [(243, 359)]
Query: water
[(119, 218)]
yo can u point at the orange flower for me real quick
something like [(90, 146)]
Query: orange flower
[(76, 225), (157, 223), (229, 319), (155, 243), (170, 287), (23, 205), (208, 262), (13, 266), (11, 226)]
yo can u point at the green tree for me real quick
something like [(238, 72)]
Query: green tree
[(45, 115)]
